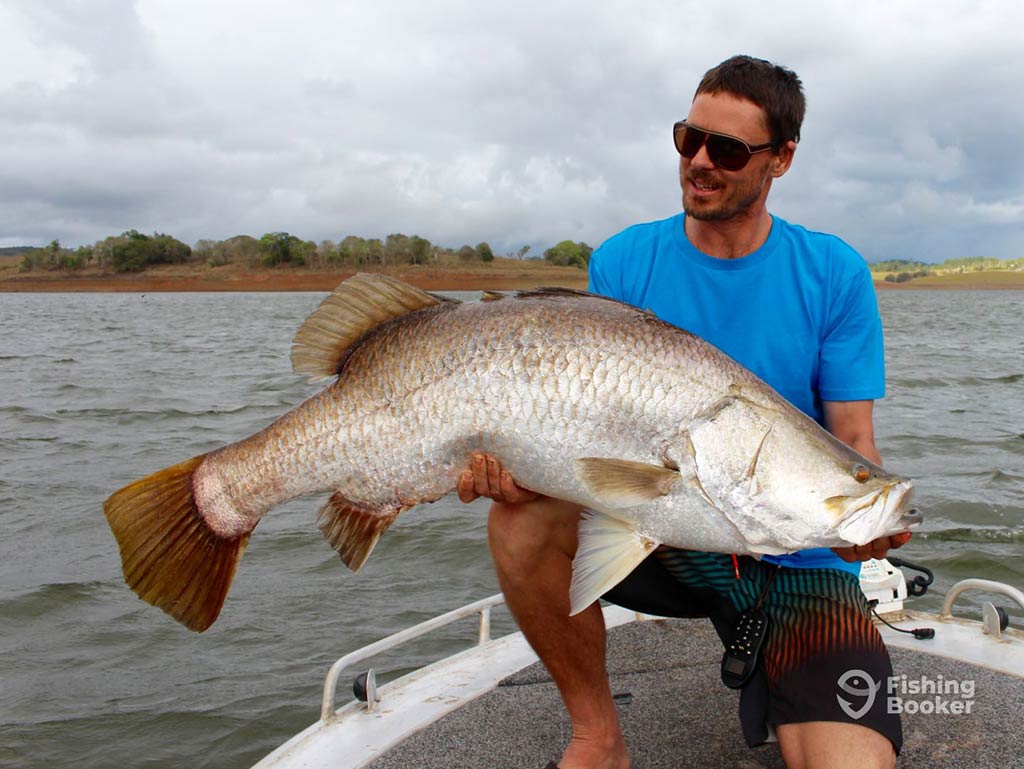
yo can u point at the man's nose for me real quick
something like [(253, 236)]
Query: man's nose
[(701, 159)]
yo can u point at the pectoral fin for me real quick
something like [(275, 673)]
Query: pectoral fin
[(609, 549), (621, 483)]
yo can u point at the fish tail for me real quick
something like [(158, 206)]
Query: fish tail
[(169, 554)]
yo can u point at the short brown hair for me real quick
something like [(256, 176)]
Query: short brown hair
[(773, 88)]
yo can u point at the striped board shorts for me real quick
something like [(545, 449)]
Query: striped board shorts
[(820, 635)]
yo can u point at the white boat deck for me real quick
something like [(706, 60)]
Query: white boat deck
[(501, 712)]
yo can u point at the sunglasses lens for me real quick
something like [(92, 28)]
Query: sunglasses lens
[(728, 154), (689, 141), (725, 152)]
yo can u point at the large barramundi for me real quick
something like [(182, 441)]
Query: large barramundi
[(662, 436)]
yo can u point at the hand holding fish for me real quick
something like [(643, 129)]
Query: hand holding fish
[(875, 549), (487, 478)]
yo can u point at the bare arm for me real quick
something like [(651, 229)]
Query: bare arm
[(852, 423)]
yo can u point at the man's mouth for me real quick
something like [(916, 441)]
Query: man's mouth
[(704, 186)]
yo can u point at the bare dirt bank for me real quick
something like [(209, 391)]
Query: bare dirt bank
[(471, 278), (986, 280)]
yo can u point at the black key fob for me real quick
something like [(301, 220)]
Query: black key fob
[(740, 658)]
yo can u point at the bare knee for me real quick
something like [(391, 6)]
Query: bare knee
[(522, 535), (834, 745)]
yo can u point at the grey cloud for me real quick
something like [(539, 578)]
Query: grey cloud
[(516, 124)]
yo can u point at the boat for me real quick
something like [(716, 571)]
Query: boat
[(958, 683)]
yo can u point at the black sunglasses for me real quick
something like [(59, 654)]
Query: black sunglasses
[(726, 152)]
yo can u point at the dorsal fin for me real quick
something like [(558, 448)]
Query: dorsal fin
[(357, 305), (542, 292)]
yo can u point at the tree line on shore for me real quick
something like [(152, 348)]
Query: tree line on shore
[(133, 251), (902, 270)]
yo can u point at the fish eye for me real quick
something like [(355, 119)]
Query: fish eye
[(861, 474)]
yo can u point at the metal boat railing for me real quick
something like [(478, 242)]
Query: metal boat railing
[(994, 619), (482, 608), (988, 585)]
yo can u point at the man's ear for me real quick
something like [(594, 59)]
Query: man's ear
[(783, 159)]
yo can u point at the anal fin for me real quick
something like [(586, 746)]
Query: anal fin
[(353, 530), (609, 549)]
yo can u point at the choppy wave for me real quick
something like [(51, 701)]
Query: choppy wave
[(1010, 536), (146, 415), (914, 383), (36, 602)]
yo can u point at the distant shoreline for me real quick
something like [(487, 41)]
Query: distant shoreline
[(985, 280), (502, 274)]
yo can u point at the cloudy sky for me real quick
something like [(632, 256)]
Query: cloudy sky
[(518, 123)]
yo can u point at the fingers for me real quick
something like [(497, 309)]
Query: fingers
[(486, 478), (481, 478), (511, 492), (465, 487), (876, 549), (899, 540), (474, 483), (493, 470)]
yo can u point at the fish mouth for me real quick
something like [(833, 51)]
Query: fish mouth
[(878, 514)]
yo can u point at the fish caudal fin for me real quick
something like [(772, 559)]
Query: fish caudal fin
[(170, 557), (353, 531), (609, 549)]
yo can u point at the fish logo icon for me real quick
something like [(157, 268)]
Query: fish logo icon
[(859, 684)]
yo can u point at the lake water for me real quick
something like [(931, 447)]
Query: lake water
[(97, 390)]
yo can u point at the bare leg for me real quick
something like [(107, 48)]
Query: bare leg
[(829, 745), (533, 544)]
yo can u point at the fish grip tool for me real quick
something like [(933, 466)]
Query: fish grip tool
[(742, 652)]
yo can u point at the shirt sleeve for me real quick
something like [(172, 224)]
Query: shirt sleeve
[(852, 362), (600, 282)]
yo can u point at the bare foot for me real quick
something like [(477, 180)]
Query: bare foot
[(582, 753)]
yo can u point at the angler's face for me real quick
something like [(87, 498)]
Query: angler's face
[(712, 193)]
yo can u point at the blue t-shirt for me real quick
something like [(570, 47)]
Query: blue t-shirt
[(800, 312)]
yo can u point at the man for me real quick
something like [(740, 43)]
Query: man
[(796, 307)]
